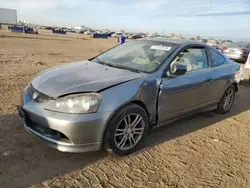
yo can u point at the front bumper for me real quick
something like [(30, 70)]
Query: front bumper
[(64, 146), (65, 132)]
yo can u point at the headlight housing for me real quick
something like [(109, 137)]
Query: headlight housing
[(76, 103)]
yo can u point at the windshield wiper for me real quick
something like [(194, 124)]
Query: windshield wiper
[(122, 67), (117, 66)]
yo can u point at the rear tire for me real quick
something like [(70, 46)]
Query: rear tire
[(126, 130), (226, 101)]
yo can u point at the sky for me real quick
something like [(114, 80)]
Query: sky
[(217, 18)]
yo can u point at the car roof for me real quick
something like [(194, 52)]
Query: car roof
[(173, 40)]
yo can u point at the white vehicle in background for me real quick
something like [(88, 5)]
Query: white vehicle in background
[(88, 33), (239, 75), (237, 51), (117, 34), (153, 35), (247, 67)]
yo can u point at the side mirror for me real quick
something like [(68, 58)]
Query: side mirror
[(179, 69)]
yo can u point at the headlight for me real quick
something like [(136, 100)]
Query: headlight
[(77, 103)]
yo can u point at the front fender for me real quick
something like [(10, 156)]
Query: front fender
[(144, 90)]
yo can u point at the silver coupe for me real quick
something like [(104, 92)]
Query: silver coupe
[(112, 100)]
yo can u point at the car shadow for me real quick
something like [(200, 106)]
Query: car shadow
[(25, 160)]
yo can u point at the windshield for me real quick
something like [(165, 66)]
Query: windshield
[(145, 56)]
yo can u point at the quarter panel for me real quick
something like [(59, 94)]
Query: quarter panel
[(222, 77)]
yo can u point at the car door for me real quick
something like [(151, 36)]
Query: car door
[(185, 93), (222, 72)]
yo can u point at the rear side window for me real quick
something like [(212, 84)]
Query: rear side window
[(217, 58)]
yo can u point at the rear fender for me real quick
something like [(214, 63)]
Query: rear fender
[(235, 84)]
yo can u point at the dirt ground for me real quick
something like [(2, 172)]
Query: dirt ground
[(207, 150)]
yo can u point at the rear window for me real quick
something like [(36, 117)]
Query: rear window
[(238, 45)]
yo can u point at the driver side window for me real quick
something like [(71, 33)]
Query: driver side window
[(194, 58)]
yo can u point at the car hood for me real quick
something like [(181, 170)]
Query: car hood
[(83, 76)]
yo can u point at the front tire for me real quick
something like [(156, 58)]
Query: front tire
[(126, 130), (226, 101)]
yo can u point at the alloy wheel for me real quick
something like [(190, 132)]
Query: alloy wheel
[(228, 99), (129, 131)]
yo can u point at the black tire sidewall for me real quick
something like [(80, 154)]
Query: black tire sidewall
[(109, 143), (220, 105)]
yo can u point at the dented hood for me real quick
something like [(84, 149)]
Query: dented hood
[(84, 76)]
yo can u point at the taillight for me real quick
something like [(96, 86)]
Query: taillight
[(224, 48), (234, 75), (243, 50)]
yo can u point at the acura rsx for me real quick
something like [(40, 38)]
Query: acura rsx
[(111, 100)]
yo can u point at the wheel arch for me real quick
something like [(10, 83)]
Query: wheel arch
[(137, 102), (235, 86), (141, 104)]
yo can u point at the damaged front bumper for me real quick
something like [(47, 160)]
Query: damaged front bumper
[(65, 132)]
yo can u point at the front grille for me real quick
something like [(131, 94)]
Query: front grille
[(47, 132), (40, 97)]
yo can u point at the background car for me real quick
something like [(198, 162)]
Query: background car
[(82, 31), (136, 36), (247, 67), (111, 100), (116, 34), (111, 33), (237, 51)]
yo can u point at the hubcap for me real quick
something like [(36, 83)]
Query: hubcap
[(129, 131), (228, 99)]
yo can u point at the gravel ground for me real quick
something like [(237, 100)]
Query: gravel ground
[(206, 150)]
